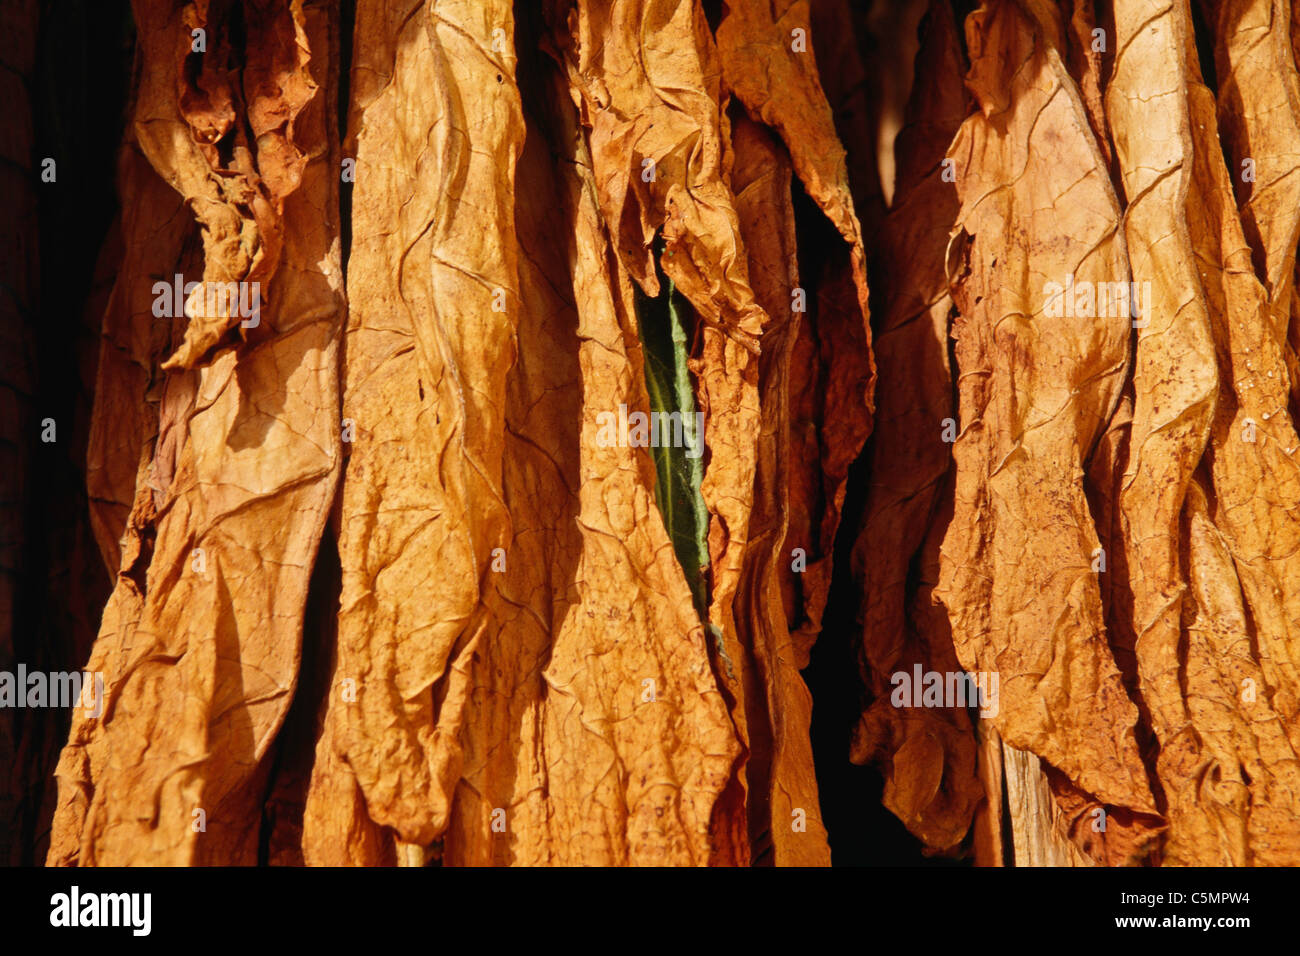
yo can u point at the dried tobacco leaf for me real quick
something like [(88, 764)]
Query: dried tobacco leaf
[(433, 302), (1208, 368), (1255, 481), (909, 458), (1259, 114), (199, 646), (1039, 373), (778, 706), (657, 139), (766, 61)]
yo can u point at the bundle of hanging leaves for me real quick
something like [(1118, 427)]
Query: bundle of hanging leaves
[(502, 531)]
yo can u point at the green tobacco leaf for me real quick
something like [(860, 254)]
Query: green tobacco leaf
[(666, 324)]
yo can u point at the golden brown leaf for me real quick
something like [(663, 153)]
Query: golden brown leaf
[(224, 527), (1036, 390)]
